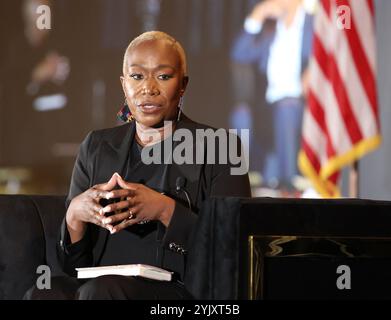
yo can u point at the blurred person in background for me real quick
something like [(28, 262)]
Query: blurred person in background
[(35, 73), (278, 36)]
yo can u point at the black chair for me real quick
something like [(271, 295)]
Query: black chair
[(28, 232)]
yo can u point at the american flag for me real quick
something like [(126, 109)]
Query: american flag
[(341, 120)]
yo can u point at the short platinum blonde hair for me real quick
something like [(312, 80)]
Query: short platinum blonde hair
[(157, 35)]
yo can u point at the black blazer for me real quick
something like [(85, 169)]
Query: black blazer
[(104, 152)]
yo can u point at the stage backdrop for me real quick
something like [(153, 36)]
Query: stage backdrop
[(38, 144)]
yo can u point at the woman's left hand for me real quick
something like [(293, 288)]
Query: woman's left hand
[(141, 203)]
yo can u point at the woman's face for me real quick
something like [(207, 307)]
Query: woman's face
[(153, 82)]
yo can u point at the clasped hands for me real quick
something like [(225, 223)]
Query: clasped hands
[(137, 204)]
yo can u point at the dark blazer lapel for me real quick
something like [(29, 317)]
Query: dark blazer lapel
[(113, 153), (111, 158), (191, 172)]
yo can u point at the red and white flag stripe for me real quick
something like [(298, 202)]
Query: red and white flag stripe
[(341, 121)]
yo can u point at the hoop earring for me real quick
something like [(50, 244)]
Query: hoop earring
[(124, 114), (179, 109)]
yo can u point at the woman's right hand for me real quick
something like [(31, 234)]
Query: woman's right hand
[(85, 208)]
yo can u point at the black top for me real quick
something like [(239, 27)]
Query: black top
[(121, 248)]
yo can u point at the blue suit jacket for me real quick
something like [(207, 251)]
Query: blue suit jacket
[(249, 48)]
